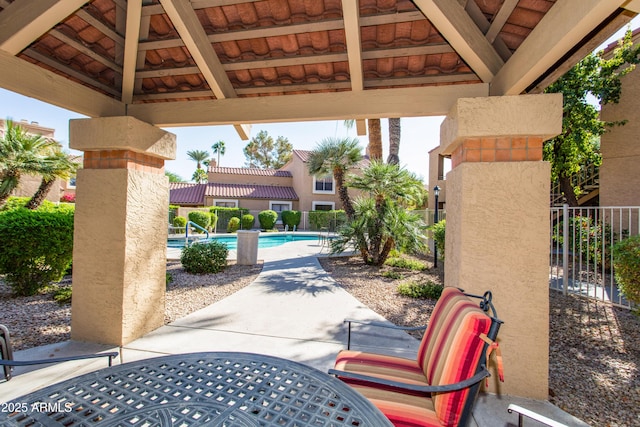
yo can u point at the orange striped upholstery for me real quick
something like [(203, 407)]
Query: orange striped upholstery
[(449, 352)]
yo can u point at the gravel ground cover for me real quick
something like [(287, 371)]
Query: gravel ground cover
[(594, 348)]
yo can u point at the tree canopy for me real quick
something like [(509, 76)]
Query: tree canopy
[(265, 153), (579, 143)]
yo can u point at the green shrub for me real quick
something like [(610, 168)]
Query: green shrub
[(626, 265), (214, 221), (63, 295), (204, 258), (225, 214), (267, 219), (392, 274), (406, 263), (438, 230), (233, 225), (291, 218), (203, 219), (168, 279), (180, 223), (586, 239), (36, 247), (248, 221), (15, 202), (427, 290), (331, 220)]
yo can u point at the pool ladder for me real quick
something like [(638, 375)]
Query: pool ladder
[(194, 225)]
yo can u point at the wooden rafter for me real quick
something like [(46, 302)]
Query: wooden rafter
[(134, 12), (562, 28), (351, 16), (22, 22), (464, 36)]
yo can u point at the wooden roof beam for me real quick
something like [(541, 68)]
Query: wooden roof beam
[(23, 22), (132, 36), (562, 28), (454, 23), (351, 16)]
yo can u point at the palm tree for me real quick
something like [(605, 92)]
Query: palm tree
[(382, 221), (394, 141), (198, 156), (336, 156), (56, 165), (219, 149), (199, 176), (20, 152), (375, 139)]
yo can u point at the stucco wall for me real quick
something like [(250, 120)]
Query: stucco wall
[(119, 255), (620, 148), (303, 186), (497, 239)]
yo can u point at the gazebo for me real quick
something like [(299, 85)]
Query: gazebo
[(136, 66)]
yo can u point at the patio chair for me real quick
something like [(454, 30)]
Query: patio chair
[(7, 362), (439, 387)]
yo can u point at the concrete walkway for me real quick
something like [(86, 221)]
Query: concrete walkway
[(292, 310)]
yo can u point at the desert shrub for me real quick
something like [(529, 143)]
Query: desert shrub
[(204, 258), (267, 219), (225, 214), (626, 265), (392, 274), (427, 290), (203, 219), (233, 225), (332, 220), (406, 263), (438, 230), (291, 218), (36, 247), (247, 221), (62, 295)]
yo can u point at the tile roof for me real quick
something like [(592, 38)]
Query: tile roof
[(250, 191), (250, 171), (303, 154), (184, 193)]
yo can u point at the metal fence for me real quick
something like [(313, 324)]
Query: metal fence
[(581, 257)]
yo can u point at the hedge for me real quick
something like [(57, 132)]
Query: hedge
[(291, 218), (203, 219), (36, 247), (267, 219), (225, 214), (332, 220)]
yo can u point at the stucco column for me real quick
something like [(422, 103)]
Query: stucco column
[(498, 223), (120, 236)]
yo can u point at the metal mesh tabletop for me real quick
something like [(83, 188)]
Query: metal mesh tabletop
[(218, 389)]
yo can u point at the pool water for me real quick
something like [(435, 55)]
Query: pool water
[(264, 240)]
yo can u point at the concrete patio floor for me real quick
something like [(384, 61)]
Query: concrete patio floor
[(292, 310)]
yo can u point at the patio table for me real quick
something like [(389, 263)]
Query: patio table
[(218, 388)]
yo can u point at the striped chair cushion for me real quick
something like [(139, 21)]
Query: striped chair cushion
[(401, 409), (380, 366)]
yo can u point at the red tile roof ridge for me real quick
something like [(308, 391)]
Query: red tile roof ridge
[(249, 171)]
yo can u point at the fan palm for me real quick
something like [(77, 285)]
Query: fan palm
[(219, 149), (199, 176), (20, 153), (336, 156), (56, 165), (381, 220), (198, 156), (375, 139)]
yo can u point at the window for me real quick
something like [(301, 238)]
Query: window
[(226, 203), (72, 182), (323, 184), (323, 206), (278, 207)]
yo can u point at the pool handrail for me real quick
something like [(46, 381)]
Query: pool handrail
[(186, 233)]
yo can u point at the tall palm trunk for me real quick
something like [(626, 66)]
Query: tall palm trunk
[(41, 194), (394, 141), (375, 139)]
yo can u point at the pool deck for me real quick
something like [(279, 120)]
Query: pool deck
[(294, 310)]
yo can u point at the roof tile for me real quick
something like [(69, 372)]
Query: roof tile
[(250, 171), (250, 191)]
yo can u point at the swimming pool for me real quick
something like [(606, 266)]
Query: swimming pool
[(264, 240)]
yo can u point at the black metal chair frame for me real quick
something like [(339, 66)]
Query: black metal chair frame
[(7, 362), (473, 383)]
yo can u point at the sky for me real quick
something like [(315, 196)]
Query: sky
[(419, 135)]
